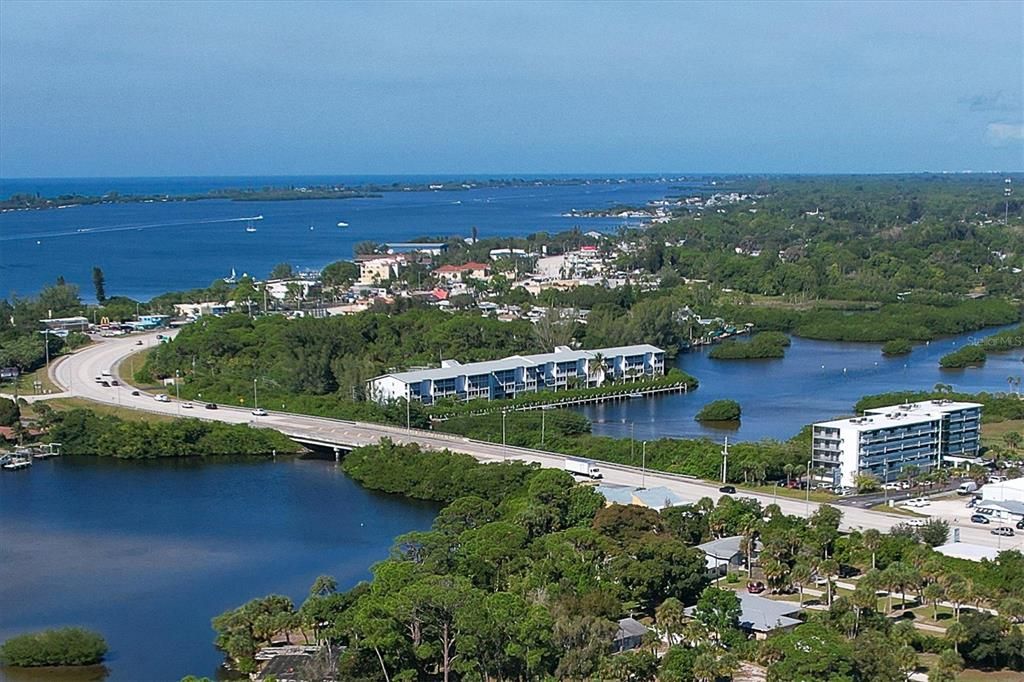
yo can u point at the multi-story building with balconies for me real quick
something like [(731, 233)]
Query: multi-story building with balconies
[(886, 440), (519, 374)]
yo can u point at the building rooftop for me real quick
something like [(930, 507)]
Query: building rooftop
[(630, 627), (657, 498), (478, 368), (1010, 506), (761, 614), (616, 494), (899, 415), (965, 550)]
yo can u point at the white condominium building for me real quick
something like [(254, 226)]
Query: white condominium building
[(885, 440), (519, 374)]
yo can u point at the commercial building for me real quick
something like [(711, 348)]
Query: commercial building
[(1004, 491), (886, 440), (519, 374)]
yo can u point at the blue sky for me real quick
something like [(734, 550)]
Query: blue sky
[(98, 89)]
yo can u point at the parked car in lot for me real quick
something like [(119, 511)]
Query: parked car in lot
[(1003, 530), (115, 382), (139, 342), (211, 406), (892, 485), (918, 502), (1020, 525), (980, 518), (259, 412), (105, 384), (729, 489)]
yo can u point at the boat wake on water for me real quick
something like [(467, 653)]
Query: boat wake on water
[(126, 227)]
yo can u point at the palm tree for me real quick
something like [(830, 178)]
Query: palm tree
[(934, 593), (872, 540), (1012, 439), (863, 598), (958, 591), (788, 470), (671, 620), (801, 575), (596, 366), (828, 568), (956, 633)]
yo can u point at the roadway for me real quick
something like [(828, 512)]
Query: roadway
[(76, 374)]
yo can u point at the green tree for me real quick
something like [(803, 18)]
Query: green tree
[(719, 611), (948, 667), (282, 271), (64, 646), (10, 414), (98, 283)]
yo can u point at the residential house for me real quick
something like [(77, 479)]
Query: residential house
[(629, 636)]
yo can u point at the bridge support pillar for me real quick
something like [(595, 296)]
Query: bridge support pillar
[(337, 454)]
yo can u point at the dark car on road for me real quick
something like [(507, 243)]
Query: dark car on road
[(211, 406), (730, 489), (1020, 525), (980, 518), (135, 393)]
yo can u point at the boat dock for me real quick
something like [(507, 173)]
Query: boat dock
[(624, 394)]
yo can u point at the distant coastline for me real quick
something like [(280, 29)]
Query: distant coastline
[(28, 201)]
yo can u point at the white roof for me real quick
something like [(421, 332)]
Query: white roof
[(899, 415), (964, 550), (477, 368)]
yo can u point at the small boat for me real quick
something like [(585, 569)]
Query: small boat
[(18, 463), (342, 224), (232, 279), (249, 227), (636, 394)]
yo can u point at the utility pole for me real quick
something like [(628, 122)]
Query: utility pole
[(408, 408), (177, 390), (725, 458), (504, 447), (255, 403), (643, 465), (807, 501), (1007, 192), (46, 346)]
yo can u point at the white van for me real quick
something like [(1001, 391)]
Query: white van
[(967, 488)]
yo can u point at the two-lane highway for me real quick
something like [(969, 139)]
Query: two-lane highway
[(77, 374)]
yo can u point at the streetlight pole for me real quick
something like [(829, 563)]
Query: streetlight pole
[(177, 391), (543, 414), (255, 403), (504, 447), (408, 408), (643, 465), (807, 501), (632, 440), (725, 459)]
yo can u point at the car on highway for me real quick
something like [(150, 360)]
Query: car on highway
[(139, 342), (1005, 531), (728, 489), (1020, 525), (187, 406), (115, 382), (136, 393), (259, 412), (105, 384), (211, 406), (980, 518), (162, 398)]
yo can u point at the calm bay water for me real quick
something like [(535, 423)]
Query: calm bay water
[(148, 249), (816, 380), (148, 552)]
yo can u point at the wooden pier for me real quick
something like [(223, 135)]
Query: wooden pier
[(624, 394)]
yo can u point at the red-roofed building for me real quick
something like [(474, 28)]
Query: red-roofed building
[(458, 273)]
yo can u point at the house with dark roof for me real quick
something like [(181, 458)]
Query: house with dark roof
[(629, 636), (759, 617)]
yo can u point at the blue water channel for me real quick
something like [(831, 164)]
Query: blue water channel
[(817, 380), (147, 552)]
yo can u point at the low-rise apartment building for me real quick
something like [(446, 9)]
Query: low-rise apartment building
[(519, 374), (886, 440)]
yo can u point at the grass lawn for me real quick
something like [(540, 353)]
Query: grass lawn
[(901, 511), (992, 433), (816, 495), (26, 383), (927, 661), (125, 413), (126, 368)]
